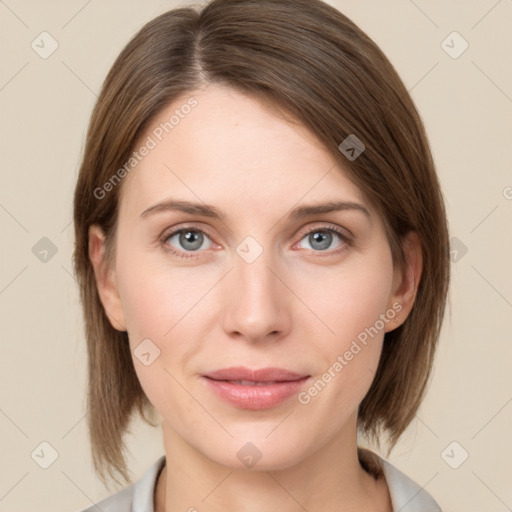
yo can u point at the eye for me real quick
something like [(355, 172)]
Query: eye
[(323, 239), (186, 240)]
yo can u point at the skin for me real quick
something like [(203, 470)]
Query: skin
[(296, 306)]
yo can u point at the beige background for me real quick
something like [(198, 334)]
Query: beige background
[(45, 104)]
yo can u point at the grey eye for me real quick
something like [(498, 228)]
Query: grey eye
[(322, 239), (188, 240)]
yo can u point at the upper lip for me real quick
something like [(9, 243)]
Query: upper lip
[(256, 375)]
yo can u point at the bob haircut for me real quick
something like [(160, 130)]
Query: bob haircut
[(315, 67)]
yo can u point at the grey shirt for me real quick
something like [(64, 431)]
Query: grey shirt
[(406, 495)]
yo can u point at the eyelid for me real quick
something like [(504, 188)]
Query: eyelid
[(184, 227), (343, 232)]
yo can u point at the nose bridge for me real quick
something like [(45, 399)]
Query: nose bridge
[(257, 305)]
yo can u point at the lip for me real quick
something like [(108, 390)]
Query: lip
[(258, 375), (274, 386)]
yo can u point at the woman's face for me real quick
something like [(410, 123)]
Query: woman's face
[(280, 264)]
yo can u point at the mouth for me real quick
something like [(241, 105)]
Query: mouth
[(254, 389), (253, 383)]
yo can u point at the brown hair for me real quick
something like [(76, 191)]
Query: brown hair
[(316, 66)]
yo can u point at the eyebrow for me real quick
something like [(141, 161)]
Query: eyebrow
[(185, 207), (332, 206), (213, 212)]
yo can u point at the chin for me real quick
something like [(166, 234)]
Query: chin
[(257, 453)]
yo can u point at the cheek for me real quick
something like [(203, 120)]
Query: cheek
[(167, 311), (349, 300), (156, 297), (155, 308), (348, 340)]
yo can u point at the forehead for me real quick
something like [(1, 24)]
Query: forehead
[(232, 150)]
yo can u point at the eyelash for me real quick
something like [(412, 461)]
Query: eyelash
[(347, 241)]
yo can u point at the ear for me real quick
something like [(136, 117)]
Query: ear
[(405, 283), (105, 279)]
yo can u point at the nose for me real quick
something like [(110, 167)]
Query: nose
[(257, 308)]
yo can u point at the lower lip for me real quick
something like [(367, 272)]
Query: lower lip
[(255, 397)]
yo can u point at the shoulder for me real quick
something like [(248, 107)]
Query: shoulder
[(137, 497), (406, 495)]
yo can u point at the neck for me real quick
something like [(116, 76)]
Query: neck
[(330, 480)]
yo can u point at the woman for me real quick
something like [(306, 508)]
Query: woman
[(262, 252)]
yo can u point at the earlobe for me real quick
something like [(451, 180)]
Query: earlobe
[(105, 279), (405, 284)]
